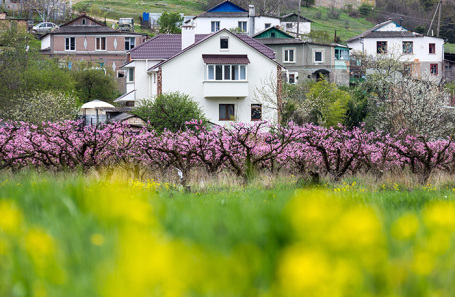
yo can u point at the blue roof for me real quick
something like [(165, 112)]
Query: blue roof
[(227, 6)]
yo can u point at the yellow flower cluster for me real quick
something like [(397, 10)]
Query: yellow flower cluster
[(349, 188), (345, 249), (36, 249), (151, 184)]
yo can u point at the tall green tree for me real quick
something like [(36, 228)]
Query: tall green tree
[(169, 23)]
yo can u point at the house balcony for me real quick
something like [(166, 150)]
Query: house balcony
[(214, 89)]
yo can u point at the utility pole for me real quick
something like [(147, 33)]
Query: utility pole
[(431, 24), (439, 18), (298, 21)]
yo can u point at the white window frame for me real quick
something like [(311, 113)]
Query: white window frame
[(243, 25), (296, 77), (341, 57), (133, 39), (100, 43), (322, 51), (223, 76), (288, 49), (214, 25), (224, 38), (130, 75), (68, 42)]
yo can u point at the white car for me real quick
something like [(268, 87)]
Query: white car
[(44, 27)]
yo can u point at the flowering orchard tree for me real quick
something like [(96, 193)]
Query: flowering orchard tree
[(242, 148)]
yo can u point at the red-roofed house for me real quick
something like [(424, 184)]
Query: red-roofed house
[(85, 38), (222, 71)]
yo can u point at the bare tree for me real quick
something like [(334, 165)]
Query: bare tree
[(44, 8)]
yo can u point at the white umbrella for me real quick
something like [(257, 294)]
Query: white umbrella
[(96, 104)]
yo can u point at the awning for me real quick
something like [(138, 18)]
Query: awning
[(97, 104), (225, 59), (130, 96)]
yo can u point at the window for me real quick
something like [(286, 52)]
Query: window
[(224, 43), (101, 64), (256, 112), (432, 48), (292, 78), (434, 69), (84, 21), (226, 72), (289, 25), (341, 54), (101, 43), (381, 47), (70, 43), (129, 103), (272, 34), (129, 43), (130, 74), (407, 47), (318, 56), (227, 112), (215, 26), (268, 25), (120, 73), (243, 26), (289, 55)]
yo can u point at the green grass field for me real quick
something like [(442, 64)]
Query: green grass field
[(68, 235)]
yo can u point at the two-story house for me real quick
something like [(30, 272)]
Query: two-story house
[(307, 60), (222, 71), (421, 55), (85, 38), (293, 23), (228, 15)]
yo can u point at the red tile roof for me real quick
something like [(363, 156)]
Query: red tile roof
[(225, 59), (168, 46), (161, 47)]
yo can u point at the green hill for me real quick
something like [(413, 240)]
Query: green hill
[(345, 26)]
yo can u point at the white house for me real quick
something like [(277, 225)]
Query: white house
[(222, 71), (421, 55), (228, 15), (293, 23)]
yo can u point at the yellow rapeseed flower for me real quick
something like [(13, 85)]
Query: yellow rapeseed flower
[(405, 227), (10, 217)]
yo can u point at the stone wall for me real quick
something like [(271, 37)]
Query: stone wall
[(342, 3)]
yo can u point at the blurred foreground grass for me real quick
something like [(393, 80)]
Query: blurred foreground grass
[(75, 236)]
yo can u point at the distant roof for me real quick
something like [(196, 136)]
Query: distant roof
[(226, 6), (273, 29), (122, 117), (292, 17), (130, 96), (374, 33), (82, 15), (280, 41)]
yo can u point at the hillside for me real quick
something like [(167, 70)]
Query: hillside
[(345, 26)]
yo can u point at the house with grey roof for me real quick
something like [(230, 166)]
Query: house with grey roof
[(85, 38), (421, 55), (222, 71), (307, 60)]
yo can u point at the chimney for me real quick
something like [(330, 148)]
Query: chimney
[(251, 16), (188, 36)]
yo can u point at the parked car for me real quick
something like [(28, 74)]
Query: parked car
[(125, 25), (44, 27)]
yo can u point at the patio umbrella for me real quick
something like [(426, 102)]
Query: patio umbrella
[(96, 104)]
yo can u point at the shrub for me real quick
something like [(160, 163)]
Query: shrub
[(170, 111)]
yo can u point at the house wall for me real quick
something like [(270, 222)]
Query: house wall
[(306, 67), (420, 56), (304, 28), (113, 57), (187, 73), (204, 25)]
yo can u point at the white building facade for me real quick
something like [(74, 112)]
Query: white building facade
[(221, 71), (228, 15), (421, 55)]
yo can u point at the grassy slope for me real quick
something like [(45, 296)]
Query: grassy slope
[(346, 26)]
